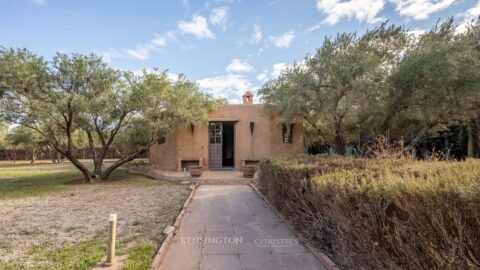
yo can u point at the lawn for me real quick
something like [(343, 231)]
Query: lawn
[(49, 223)]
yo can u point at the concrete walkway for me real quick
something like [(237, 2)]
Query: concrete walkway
[(231, 227)]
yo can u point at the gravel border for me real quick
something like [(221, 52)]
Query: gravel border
[(170, 231)]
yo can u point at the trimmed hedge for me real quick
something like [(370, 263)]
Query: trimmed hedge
[(381, 214)]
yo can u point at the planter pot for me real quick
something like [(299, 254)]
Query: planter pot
[(249, 171), (195, 171)]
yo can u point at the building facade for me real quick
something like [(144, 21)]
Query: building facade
[(236, 134)]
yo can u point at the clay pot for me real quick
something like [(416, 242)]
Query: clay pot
[(195, 171), (249, 171)]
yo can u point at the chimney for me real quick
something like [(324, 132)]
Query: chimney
[(247, 98)]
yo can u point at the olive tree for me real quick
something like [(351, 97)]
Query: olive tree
[(338, 91), (386, 81), (74, 93), (435, 84)]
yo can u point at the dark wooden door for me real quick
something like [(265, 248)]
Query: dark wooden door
[(215, 145)]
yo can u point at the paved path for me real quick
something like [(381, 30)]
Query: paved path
[(229, 227)]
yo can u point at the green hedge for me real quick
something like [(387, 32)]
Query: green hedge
[(381, 214)]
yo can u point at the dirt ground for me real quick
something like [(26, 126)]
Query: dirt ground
[(144, 209)]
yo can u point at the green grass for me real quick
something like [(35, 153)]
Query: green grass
[(81, 256), (139, 257), (10, 265), (21, 180), (10, 164), (18, 180), (87, 254), (35, 185)]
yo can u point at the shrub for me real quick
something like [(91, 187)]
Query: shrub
[(381, 214)]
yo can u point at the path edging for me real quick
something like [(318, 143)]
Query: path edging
[(162, 251), (148, 172), (322, 257)]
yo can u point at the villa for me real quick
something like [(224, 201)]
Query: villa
[(236, 135)]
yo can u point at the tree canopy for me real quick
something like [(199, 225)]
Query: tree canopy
[(74, 98), (357, 87)]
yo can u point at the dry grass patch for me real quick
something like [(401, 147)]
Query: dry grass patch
[(382, 214), (66, 229)]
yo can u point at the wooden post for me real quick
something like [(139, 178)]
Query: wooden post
[(111, 240)]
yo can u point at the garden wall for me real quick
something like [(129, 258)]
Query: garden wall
[(22, 154)]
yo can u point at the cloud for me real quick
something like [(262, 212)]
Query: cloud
[(278, 69), (229, 86), (417, 32), (219, 16), (256, 35), (262, 76), (142, 51), (160, 41), (368, 10), (238, 66), (284, 40), (420, 9), (468, 16), (109, 55), (313, 27), (197, 27), (362, 10)]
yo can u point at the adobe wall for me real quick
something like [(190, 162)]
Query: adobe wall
[(164, 155), (192, 145), (284, 149), (247, 145), (265, 141)]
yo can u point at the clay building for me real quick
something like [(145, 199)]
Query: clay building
[(236, 134)]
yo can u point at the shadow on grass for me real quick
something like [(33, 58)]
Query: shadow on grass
[(85, 254), (10, 164), (35, 179), (36, 184)]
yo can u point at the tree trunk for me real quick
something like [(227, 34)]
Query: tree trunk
[(470, 144), (97, 159), (339, 145), (122, 161), (86, 173), (34, 156), (98, 168), (52, 155), (414, 152), (476, 133), (418, 137), (447, 148)]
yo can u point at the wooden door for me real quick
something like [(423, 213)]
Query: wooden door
[(215, 145)]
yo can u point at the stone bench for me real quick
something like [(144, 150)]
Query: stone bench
[(185, 162), (250, 161)]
